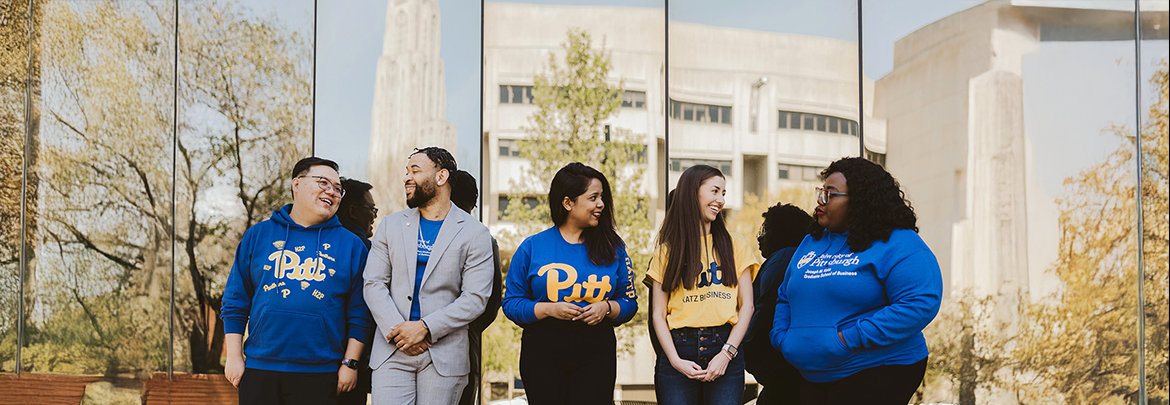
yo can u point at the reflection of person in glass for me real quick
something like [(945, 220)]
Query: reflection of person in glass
[(428, 276), (465, 196), (859, 291), (568, 286), (702, 295), (296, 284), (784, 226), (357, 212)]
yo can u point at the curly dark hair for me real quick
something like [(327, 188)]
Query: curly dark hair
[(877, 206), (785, 225), (441, 157)]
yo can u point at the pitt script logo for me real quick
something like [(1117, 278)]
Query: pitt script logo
[(590, 291), (311, 269)]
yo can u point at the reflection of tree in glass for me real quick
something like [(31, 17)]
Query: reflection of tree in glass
[(574, 100), (245, 98), (103, 297), (14, 76), (1080, 345), (1084, 343)]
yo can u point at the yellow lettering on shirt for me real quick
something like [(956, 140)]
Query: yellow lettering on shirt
[(555, 285)]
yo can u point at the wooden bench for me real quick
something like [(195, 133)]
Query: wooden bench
[(44, 389), (210, 389), (60, 389)]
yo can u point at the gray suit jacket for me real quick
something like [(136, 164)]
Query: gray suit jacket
[(455, 284)]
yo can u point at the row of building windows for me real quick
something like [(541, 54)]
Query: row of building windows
[(511, 148), (679, 165), (798, 172), (700, 112), (510, 94), (816, 122)]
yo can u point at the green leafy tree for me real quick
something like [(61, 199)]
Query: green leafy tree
[(575, 99)]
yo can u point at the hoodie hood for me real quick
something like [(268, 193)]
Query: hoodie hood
[(282, 216)]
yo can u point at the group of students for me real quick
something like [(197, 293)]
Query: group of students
[(833, 316)]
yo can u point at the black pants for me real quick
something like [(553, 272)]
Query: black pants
[(564, 362), (263, 387), (881, 385), (780, 387)]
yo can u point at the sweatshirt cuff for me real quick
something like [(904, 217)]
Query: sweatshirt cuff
[(235, 325), (852, 336)]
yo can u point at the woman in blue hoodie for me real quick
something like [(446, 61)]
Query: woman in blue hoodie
[(858, 292), (568, 286)]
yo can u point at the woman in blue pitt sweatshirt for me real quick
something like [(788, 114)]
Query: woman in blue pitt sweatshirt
[(858, 292), (568, 286)]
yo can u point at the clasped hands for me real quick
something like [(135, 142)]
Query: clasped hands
[(591, 314), (715, 368), (411, 337)]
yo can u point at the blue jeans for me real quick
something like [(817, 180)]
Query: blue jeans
[(699, 345)]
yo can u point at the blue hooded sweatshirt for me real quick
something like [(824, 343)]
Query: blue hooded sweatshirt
[(299, 291), (879, 300)]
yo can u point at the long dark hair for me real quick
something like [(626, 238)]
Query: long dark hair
[(602, 241), (681, 235), (877, 206)]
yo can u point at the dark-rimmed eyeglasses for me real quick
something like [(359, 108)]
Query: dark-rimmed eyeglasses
[(823, 195), (327, 185)]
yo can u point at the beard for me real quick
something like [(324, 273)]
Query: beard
[(423, 193)]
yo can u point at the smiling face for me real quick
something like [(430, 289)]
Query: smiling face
[(834, 214), (585, 211), (311, 202), (711, 198), (423, 178)]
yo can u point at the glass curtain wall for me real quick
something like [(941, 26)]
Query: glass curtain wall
[(1012, 127), (573, 82)]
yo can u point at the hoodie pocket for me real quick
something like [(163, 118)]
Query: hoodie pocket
[(292, 336), (814, 348)]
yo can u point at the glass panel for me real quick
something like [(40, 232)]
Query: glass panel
[(238, 140), (1023, 187), (14, 76), (822, 123), (517, 95), (399, 76), (1154, 110), (833, 124), (630, 38), (503, 94), (99, 280), (761, 61)]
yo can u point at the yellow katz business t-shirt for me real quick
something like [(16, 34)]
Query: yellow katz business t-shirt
[(711, 303)]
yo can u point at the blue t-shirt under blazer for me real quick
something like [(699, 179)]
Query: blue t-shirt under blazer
[(299, 292), (879, 299), (546, 268)]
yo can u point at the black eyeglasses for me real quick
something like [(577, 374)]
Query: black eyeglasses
[(372, 209), (327, 185)]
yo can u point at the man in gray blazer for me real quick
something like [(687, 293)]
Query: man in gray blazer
[(428, 275)]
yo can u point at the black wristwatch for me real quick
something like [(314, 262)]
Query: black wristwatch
[(351, 363)]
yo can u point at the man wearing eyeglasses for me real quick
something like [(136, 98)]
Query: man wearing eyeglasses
[(296, 285)]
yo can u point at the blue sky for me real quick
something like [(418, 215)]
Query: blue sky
[(350, 37)]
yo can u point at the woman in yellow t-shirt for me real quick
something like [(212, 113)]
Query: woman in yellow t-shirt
[(699, 295)]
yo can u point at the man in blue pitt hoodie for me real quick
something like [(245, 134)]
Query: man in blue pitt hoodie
[(297, 285)]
